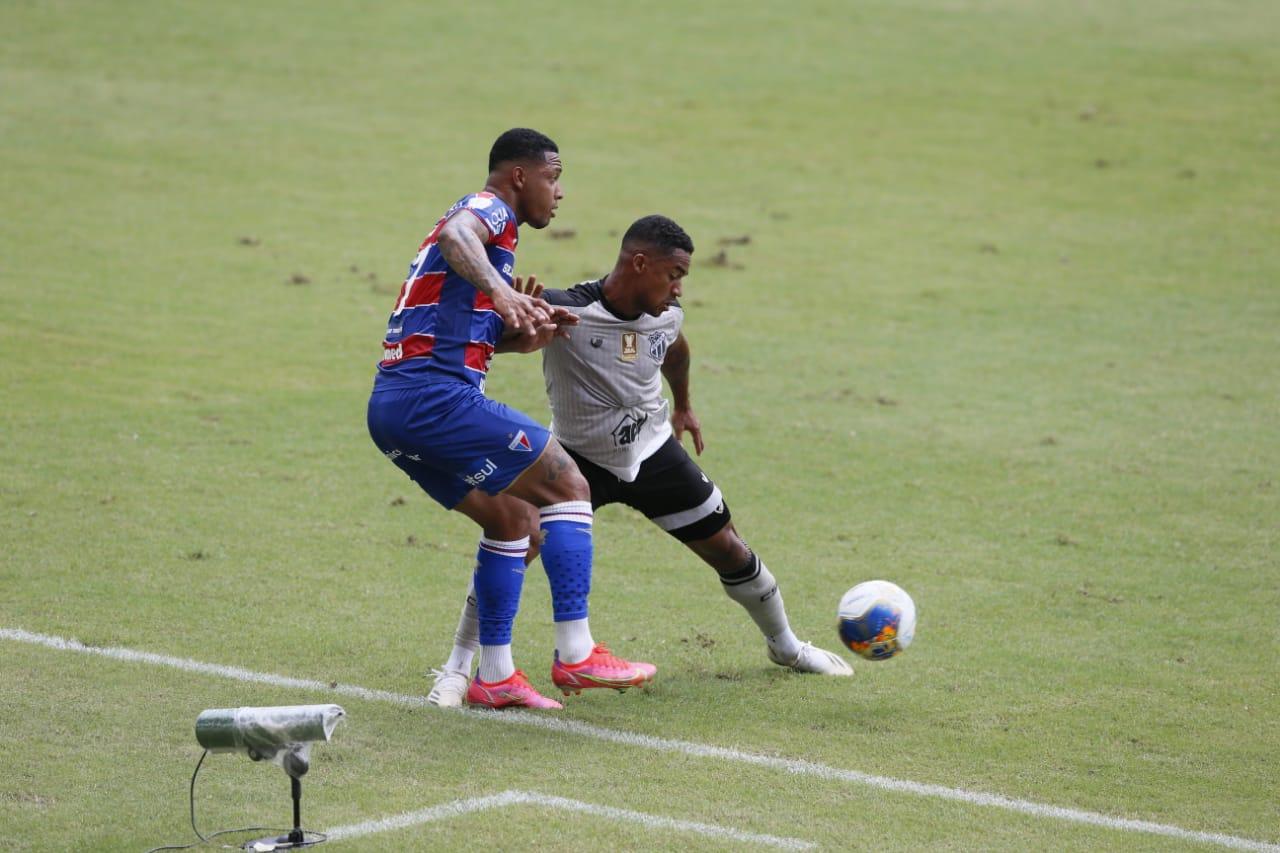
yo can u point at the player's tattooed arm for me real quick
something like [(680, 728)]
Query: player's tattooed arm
[(461, 241), (675, 367)]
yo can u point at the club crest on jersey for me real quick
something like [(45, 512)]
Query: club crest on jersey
[(630, 346), (658, 346), (478, 202), (521, 443)]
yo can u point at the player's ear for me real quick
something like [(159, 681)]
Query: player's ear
[(517, 177), (639, 262)]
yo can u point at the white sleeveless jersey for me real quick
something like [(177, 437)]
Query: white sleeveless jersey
[(605, 381)]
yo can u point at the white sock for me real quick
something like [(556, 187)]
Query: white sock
[(466, 639), (495, 664), (757, 591), (573, 640)]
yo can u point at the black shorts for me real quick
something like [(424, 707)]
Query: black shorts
[(670, 489)]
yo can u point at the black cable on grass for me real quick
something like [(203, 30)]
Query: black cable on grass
[(316, 838)]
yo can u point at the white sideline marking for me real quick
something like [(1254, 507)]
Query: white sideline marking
[(517, 798), (790, 765)]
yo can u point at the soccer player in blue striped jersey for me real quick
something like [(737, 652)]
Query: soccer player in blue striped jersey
[(428, 413)]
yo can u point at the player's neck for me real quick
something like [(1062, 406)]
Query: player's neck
[(505, 192), (613, 294)]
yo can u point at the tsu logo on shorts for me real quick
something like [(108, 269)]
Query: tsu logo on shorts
[(477, 477)]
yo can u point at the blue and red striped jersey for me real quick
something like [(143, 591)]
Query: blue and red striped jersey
[(443, 328)]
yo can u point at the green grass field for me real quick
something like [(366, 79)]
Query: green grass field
[(1006, 332)]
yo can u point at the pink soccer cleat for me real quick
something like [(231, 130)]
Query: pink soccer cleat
[(513, 692), (600, 669)]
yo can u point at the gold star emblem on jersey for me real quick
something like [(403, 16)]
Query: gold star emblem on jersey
[(630, 347)]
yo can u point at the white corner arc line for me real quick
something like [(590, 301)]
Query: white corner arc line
[(699, 750), (427, 815), (517, 798)]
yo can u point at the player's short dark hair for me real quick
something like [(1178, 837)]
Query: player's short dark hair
[(520, 143), (658, 231)]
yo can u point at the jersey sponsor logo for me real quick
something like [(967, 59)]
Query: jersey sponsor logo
[(521, 443), (392, 353), (629, 347), (658, 346), (628, 429), (497, 220), (478, 477)]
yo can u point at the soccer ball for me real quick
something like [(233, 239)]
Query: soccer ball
[(877, 619)]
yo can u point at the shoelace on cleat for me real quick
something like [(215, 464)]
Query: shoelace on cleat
[(606, 658)]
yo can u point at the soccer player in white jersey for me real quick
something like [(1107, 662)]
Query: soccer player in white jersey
[(608, 411)]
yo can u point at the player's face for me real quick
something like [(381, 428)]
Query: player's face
[(662, 281), (540, 192)]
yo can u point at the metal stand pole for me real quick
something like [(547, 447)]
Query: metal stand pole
[(296, 836)]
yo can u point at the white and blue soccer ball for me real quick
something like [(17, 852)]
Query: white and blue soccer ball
[(877, 619)]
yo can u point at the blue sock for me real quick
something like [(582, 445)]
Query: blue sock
[(566, 557), (499, 577)]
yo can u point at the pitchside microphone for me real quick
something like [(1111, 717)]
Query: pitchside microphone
[(281, 735)]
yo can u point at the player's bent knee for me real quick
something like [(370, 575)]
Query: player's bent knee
[(574, 485), (553, 479)]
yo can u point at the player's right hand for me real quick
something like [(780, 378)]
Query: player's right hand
[(683, 420), (519, 311)]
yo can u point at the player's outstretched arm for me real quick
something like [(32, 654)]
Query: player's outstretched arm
[(556, 327), (461, 241), (675, 367)]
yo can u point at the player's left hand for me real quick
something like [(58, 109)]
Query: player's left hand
[(685, 419), (528, 286), (559, 315), (560, 318)]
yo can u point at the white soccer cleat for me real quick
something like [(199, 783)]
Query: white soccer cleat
[(450, 688), (813, 659)]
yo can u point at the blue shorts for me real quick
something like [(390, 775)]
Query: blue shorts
[(450, 438)]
